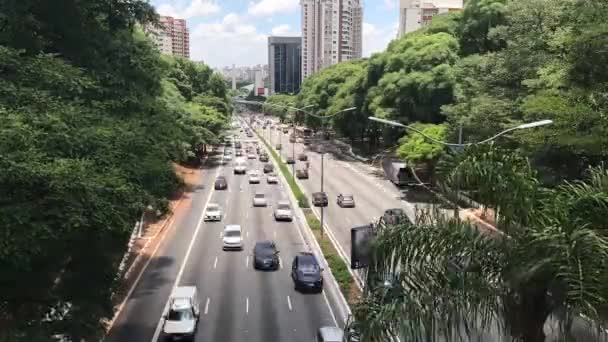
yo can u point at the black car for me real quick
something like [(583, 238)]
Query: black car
[(264, 157), (290, 161), (394, 216), (265, 256), (319, 199), (302, 174), (306, 272), (221, 183), (268, 168)]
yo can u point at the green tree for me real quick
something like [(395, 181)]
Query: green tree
[(444, 277)]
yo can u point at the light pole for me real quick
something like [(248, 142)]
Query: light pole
[(293, 145), (323, 117), (460, 144)]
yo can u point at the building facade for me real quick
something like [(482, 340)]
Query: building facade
[(413, 14), (285, 64), (331, 33), (172, 37)]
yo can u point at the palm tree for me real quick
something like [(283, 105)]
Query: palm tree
[(443, 277)]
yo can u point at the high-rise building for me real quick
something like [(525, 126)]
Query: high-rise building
[(413, 14), (331, 33), (285, 64), (172, 37)]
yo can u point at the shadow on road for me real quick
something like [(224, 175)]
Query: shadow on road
[(155, 277)]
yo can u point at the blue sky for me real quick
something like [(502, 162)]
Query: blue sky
[(226, 32)]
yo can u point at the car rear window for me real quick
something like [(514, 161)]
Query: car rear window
[(259, 195), (284, 206)]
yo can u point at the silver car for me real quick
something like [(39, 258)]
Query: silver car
[(346, 200), (283, 212), (272, 178), (259, 200), (213, 212)]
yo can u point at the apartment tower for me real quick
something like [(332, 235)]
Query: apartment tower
[(331, 33), (172, 37), (285, 64), (413, 14)]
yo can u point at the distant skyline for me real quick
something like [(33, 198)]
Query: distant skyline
[(227, 32)]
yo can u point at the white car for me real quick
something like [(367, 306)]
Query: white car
[(259, 200), (283, 212), (227, 157), (251, 156), (240, 166), (254, 177), (272, 178), (232, 237), (213, 212), (181, 319)]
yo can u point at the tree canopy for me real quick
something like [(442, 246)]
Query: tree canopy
[(92, 118)]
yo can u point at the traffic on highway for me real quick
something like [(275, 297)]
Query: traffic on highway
[(237, 266)]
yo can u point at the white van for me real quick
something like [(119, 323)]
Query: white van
[(330, 334), (183, 313)]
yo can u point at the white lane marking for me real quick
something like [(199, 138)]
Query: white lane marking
[(220, 235), (247, 306), (186, 257), (247, 261), (280, 263), (289, 304), (247, 234), (207, 305), (275, 234), (215, 263)]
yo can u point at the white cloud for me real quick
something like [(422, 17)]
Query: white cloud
[(376, 39), (195, 8), (283, 30), (265, 8), (229, 41)]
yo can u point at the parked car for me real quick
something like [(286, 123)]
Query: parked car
[(290, 161), (283, 212), (302, 174), (272, 178), (268, 168), (221, 183), (319, 199), (346, 200), (213, 212), (266, 256), (259, 200), (302, 157), (394, 216), (306, 272)]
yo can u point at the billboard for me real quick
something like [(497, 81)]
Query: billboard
[(360, 246)]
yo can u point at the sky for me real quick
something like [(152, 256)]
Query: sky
[(227, 32)]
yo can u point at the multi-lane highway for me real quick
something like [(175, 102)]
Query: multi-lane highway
[(237, 302)]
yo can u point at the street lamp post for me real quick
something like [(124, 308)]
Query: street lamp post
[(460, 144)]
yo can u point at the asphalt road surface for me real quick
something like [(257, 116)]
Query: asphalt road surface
[(237, 303)]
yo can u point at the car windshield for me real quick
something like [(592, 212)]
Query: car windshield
[(180, 315), (259, 195), (283, 206), (232, 233), (213, 207), (348, 197)]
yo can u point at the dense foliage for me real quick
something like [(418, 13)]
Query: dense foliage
[(492, 66), (91, 119), (444, 277)]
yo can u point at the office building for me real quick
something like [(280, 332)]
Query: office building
[(413, 14), (285, 64), (172, 37), (331, 33)]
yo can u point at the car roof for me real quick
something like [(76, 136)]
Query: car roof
[(307, 258), (265, 243), (212, 204), (331, 334), (232, 227)]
